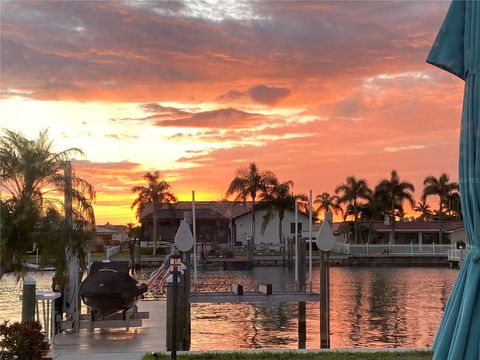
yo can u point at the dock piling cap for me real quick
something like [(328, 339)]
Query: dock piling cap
[(184, 237), (29, 280), (325, 239)]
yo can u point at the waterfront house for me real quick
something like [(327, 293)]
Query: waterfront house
[(219, 223), (109, 235), (269, 237), (214, 221), (408, 232)]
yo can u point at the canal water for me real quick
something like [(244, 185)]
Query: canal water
[(370, 307)]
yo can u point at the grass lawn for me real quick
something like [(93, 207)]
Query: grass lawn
[(380, 355)]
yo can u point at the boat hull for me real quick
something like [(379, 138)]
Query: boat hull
[(109, 289)]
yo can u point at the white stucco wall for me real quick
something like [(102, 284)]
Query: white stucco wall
[(244, 224)]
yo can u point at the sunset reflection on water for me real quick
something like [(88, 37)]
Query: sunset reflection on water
[(370, 307)]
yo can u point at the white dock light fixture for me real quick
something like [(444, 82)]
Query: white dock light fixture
[(325, 239), (184, 237)]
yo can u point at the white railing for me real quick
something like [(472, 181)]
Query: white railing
[(388, 249), (457, 254), (112, 250)]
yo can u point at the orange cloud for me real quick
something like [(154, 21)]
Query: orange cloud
[(314, 91)]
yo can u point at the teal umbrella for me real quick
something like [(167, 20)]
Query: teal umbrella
[(457, 50)]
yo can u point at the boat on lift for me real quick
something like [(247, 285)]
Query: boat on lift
[(109, 288)]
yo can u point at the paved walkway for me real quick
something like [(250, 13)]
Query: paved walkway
[(117, 344)]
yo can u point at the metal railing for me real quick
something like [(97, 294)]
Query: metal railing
[(389, 249)]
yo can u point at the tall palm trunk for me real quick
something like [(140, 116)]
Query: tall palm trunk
[(154, 227), (440, 218), (355, 223)]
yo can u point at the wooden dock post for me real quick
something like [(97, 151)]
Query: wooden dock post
[(176, 314), (324, 301), (29, 298), (325, 242), (187, 327), (301, 286)]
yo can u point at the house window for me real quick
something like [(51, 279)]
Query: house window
[(292, 228)]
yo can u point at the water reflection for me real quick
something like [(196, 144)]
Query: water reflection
[(370, 307)]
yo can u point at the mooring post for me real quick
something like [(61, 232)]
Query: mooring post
[(325, 243), (324, 301), (302, 286), (187, 275), (29, 298), (175, 313)]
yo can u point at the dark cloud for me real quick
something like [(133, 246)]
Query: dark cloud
[(221, 118), (267, 94), (148, 51), (159, 109), (232, 96)]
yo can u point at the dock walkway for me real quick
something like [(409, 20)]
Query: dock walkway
[(117, 344)]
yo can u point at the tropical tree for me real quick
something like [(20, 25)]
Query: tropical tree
[(443, 188), (250, 182), (370, 211), (276, 202), (393, 193), (328, 203), (155, 194), (353, 192), (424, 209), (454, 206), (34, 177)]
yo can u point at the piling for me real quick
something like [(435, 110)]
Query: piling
[(302, 306), (29, 298), (178, 312), (324, 300)]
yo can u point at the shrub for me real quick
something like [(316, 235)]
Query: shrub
[(22, 341)]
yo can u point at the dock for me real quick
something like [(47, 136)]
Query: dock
[(115, 343)]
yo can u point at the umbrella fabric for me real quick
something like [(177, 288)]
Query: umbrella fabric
[(457, 50)]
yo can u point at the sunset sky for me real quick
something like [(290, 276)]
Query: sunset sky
[(313, 91)]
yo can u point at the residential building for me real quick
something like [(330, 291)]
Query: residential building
[(407, 232), (108, 235), (221, 223)]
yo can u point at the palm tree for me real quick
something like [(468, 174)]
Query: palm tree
[(443, 188), (393, 193), (249, 182), (156, 193), (454, 208), (424, 209), (353, 192), (370, 211), (34, 176), (279, 200), (328, 203)]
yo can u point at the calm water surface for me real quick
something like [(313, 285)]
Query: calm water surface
[(370, 307)]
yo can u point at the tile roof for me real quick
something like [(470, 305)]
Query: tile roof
[(204, 209)]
